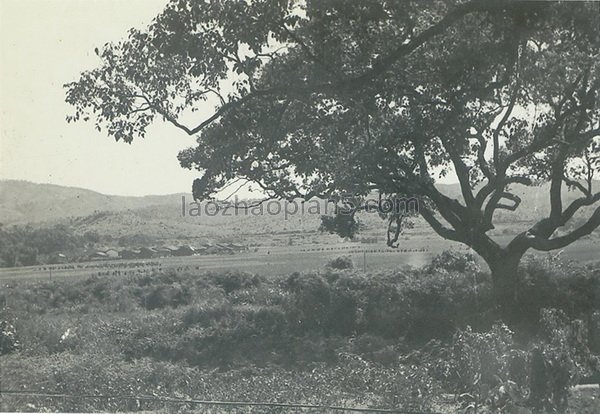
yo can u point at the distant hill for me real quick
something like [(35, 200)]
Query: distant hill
[(26, 202), (161, 216)]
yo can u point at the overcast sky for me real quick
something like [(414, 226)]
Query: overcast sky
[(45, 44)]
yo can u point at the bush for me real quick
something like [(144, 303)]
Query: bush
[(490, 370), (307, 307), (441, 302), (560, 359), (232, 281), (163, 295), (486, 369), (418, 307), (382, 309), (341, 263), (207, 313), (345, 304), (307, 321), (550, 282), (8, 338), (453, 261), (269, 320)]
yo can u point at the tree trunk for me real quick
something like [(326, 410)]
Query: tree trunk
[(505, 280)]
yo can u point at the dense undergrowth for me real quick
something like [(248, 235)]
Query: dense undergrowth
[(336, 337)]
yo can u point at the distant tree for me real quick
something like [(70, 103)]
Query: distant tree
[(333, 97), (138, 239), (26, 245), (91, 236), (16, 248), (47, 240), (20, 255)]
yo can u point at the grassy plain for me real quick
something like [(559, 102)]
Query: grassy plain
[(415, 250)]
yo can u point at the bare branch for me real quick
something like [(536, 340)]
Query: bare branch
[(236, 190), (502, 122), (482, 162), (462, 172), (244, 206), (437, 226), (499, 185), (578, 185), (494, 204), (545, 244), (576, 205)]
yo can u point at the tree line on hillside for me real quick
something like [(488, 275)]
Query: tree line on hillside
[(28, 245)]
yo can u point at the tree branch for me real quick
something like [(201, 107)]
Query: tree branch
[(483, 164), (578, 185), (462, 172), (545, 244), (437, 226), (576, 205), (378, 68), (494, 204), (498, 185), (501, 123)]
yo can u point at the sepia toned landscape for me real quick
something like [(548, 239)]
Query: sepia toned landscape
[(376, 206)]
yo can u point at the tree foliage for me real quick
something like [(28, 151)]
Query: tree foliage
[(328, 97), (27, 246)]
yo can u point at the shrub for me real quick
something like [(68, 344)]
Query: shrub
[(345, 303), (483, 367), (341, 263), (232, 281), (163, 295), (42, 335), (308, 303), (438, 303), (560, 359), (550, 282), (453, 261), (207, 313), (9, 341), (269, 320), (264, 294), (154, 334), (344, 307), (383, 309), (492, 371)]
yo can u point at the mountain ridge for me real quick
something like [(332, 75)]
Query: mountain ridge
[(27, 202), (24, 202)]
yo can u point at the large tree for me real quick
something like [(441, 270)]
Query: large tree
[(320, 98)]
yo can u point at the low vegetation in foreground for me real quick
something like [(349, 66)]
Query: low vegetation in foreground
[(425, 339)]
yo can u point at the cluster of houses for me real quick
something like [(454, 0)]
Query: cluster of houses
[(165, 251)]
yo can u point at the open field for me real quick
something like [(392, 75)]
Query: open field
[(274, 260)]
